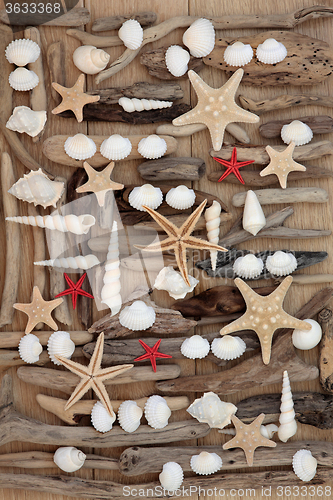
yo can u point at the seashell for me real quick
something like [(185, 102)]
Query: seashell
[(22, 52), (64, 223), (288, 425), (200, 38), (60, 344), (253, 215), (131, 34), (30, 348), (69, 459), (269, 430), (304, 465), (195, 347), (176, 60), (110, 293), (116, 147), (298, 132), (79, 262), (38, 189), (137, 316), (228, 347), (147, 195), (171, 477), (238, 54), (172, 282), (23, 79), (101, 419), (206, 463), (249, 266), (152, 147), (131, 105), (212, 411), (307, 339), (80, 147), (24, 119), (281, 263), (180, 197), (90, 60), (271, 51), (213, 221), (129, 416), (157, 412)]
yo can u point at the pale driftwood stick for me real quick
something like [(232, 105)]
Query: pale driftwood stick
[(288, 195), (97, 41), (12, 358), (178, 220), (39, 254), (12, 339), (54, 55), (141, 90), (115, 22), (154, 60), (284, 101), (177, 168), (151, 264), (309, 279), (74, 17), (325, 319), (218, 320), (320, 124), (184, 131)]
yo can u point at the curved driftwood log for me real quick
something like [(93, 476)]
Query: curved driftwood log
[(141, 90), (283, 102), (288, 195), (115, 22), (12, 339), (325, 319), (185, 130), (320, 124), (73, 17), (154, 60), (169, 169)]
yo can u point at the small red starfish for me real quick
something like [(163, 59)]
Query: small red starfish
[(151, 353), (233, 166), (74, 289)]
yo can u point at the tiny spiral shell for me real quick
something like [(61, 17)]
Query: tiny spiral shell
[(131, 105), (110, 293), (212, 217), (288, 425), (79, 262), (64, 223)]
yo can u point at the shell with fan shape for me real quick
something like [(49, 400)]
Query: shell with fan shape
[(212, 411), (206, 463), (131, 34), (157, 412), (80, 147), (176, 60), (281, 263), (147, 195), (22, 52), (137, 316), (248, 266), (238, 54), (271, 51), (200, 38), (172, 476), (116, 147), (180, 197), (304, 465), (298, 132), (30, 348), (23, 79), (129, 416), (228, 347), (100, 418), (60, 344), (152, 147), (38, 189), (195, 347)]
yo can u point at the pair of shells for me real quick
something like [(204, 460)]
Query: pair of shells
[(157, 412), (171, 477), (22, 52), (90, 60), (298, 132), (206, 463), (24, 119), (307, 339), (172, 282), (64, 223), (131, 105), (280, 264), (226, 347), (137, 316), (100, 418), (179, 198), (131, 34), (152, 147), (69, 459), (304, 465), (116, 147), (211, 410), (269, 52), (60, 344), (199, 38), (129, 416), (176, 60), (23, 79), (38, 189)]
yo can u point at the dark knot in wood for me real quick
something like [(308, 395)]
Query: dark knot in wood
[(325, 315)]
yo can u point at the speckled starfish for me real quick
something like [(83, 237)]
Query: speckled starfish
[(99, 182), (282, 164), (216, 108)]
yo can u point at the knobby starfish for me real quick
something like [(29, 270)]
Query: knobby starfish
[(281, 164), (179, 238), (264, 315), (93, 376), (74, 289), (216, 108), (233, 166), (99, 182), (152, 353)]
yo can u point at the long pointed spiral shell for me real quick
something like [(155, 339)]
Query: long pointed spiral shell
[(288, 425), (64, 223), (79, 262), (131, 105), (110, 292), (212, 217)]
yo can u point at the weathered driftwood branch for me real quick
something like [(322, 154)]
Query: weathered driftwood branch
[(73, 17), (288, 195), (98, 41), (170, 91), (320, 124), (39, 254), (284, 101), (308, 279), (12, 339), (185, 130), (12, 358), (325, 318), (54, 57), (177, 168), (154, 60), (115, 22), (153, 264), (178, 220)]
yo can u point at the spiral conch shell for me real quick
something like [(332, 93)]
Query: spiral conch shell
[(64, 223), (304, 465), (69, 459), (253, 215), (22, 52), (212, 411), (24, 119), (131, 105), (60, 344), (129, 416), (172, 282), (172, 476), (90, 60), (80, 262), (288, 424), (213, 221), (30, 348), (101, 419), (38, 189), (206, 463), (110, 293)]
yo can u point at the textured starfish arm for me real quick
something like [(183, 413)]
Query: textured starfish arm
[(180, 254), (167, 226), (243, 116), (166, 244), (188, 118), (60, 108), (295, 323), (96, 358), (73, 366), (111, 372), (201, 88), (234, 326), (192, 220), (280, 292), (103, 396), (79, 391), (199, 244), (246, 291)]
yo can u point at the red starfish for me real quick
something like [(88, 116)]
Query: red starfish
[(151, 353), (233, 166), (74, 289)]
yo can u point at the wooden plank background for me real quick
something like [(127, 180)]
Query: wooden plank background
[(320, 215)]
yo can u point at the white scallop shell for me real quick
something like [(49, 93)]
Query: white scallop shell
[(79, 262), (22, 52), (137, 316), (90, 60), (238, 54), (30, 348), (69, 459), (157, 412), (152, 147), (200, 38), (180, 197), (24, 119), (129, 416), (131, 33), (60, 344), (23, 79), (80, 147), (228, 347), (304, 465), (100, 418), (147, 195), (307, 339), (38, 189), (131, 105), (171, 477), (176, 60), (212, 411), (253, 215), (206, 463), (195, 347), (281, 263), (116, 147), (65, 223), (249, 266), (172, 282), (271, 51), (298, 132)]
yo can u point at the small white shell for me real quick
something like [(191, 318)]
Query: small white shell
[(180, 197), (172, 282), (200, 38), (206, 463), (288, 424), (131, 33), (80, 147), (100, 418), (30, 348), (69, 459), (307, 339), (60, 344), (211, 410), (304, 465), (176, 60), (23, 79), (249, 266), (271, 51), (38, 189), (129, 416), (22, 52), (171, 477), (195, 347), (228, 347), (238, 54), (137, 316), (152, 147), (157, 412), (298, 132), (253, 215), (90, 60), (281, 263), (79, 262), (116, 147), (24, 119), (131, 105), (147, 195), (269, 430)]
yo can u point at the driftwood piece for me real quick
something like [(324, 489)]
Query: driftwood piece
[(152, 264), (170, 169), (115, 22), (288, 195), (140, 90), (154, 60), (178, 220), (39, 255), (12, 339), (308, 279), (320, 124), (185, 130), (325, 319), (97, 41), (283, 102), (56, 67), (73, 17), (12, 358)]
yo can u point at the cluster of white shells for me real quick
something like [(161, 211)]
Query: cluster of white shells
[(22, 52), (131, 34), (279, 264), (172, 282), (180, 197), (304, 465), (138, 316), (296, 131), (90, 60), (269, 52), (25, 120), (59, 344), (227, 347)]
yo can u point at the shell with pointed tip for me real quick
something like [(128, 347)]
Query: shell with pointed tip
[(180, 197), (23, 79), (281, 263), (212, 411), (157, 412), (171, 477), (228, 347), (288, 425), (307, 339), (269, 430), (172, 282), (249, 266), (304, 465), (90, 60), (195, 347), (80, 147), (131, 105), (129, 416), (30, 348), (152, 147), (253, 215), (298, 132), (110, 293), (24, 119), (271, 51), (176, 60), (131, 33), (60, 344), (200, 38), (238, 54), (213, 221), (100, 418), (147, 195), (80, 262), (38, 189), (64, 223), (22, 52), (206, 463), (137, 316), (69, 459), (116, 147)]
